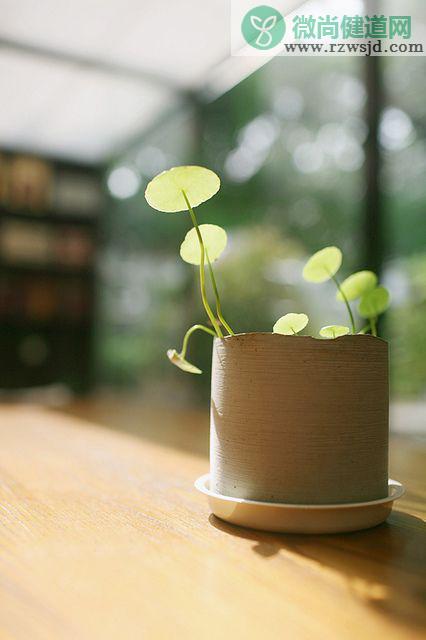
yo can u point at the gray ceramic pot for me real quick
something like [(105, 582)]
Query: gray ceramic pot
[(299, 420)]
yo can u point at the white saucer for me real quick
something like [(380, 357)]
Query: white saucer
[(300, 518)]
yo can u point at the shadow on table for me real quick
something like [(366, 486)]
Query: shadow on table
[(384, 566), (182, 429)]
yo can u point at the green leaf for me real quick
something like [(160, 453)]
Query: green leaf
[(357, 284), (374, 302), (214, 240), (291, 323), (180, 362), (164, 192), (323, 265), (334, 331)]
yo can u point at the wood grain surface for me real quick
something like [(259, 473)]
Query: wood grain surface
[(103, 537)]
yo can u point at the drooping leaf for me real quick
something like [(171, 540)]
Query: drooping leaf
[(291, 323), (334, 331), (214, 240), (374, 302), (164, 192), (357, 284), (323, 265), (180, 362)]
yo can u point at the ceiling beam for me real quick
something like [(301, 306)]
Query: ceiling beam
[(94, 64)]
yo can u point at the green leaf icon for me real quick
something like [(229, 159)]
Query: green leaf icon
[(291, 323), (374, 302), (214, 240), (323, 265), (334, 331), (164, 192), (357, 284), (180, 362)]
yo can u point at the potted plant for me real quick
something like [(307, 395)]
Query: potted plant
[(295, 419)]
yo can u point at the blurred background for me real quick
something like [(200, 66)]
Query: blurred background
[(98, 97)]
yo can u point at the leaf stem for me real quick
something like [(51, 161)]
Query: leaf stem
[(373, 326), (195, 327), (202, 274), (348, 306), (216, 294), (364, 329)]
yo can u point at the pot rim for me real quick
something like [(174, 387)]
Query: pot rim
[(280, 336)]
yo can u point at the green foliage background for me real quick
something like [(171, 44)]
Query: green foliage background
[(299, 128)]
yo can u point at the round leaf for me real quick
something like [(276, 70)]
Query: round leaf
[(357, 284), (323, 265), (374, 302), (164, 192), (334, 331), (214, 240), (291, 323), (180, 362)]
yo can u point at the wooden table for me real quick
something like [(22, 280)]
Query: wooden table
[(103, 537)]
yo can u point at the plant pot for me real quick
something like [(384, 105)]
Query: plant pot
[(299, 420)]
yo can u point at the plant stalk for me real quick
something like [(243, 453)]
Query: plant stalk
[(188, 334), (346, 301), (216, 295), (373, 326), (202, 273)]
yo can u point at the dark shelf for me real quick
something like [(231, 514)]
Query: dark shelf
[(49, 217), (57, 323), (55, 270), (49, 288)]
